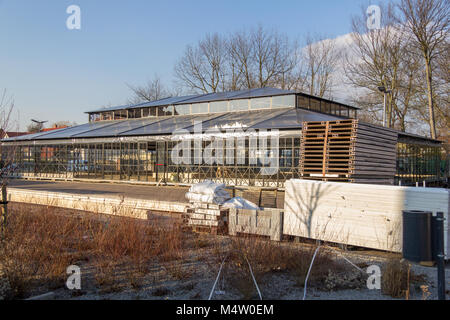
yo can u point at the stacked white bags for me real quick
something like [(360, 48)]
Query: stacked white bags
[(208, 192)]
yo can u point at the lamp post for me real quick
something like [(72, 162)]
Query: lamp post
[(385, 93)]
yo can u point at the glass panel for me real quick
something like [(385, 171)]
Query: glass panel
[(115, 128), (149, 112), (315, 104), (285, 101), (94, 117), (134, 113), (236, 105), (120, 114), (325, 107), (199, 108), (260, 103), (182, 109), (345, 112), (219, 106), (332, 108), (165, 111), (106, 116)]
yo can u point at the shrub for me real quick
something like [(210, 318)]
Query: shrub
[(394, 279), (41, 242)]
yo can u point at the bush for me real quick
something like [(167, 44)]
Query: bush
[(266, 257)]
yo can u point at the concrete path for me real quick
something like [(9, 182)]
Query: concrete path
[(107, 198), (161, 193)]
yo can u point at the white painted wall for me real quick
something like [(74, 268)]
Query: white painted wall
[(357, 214)]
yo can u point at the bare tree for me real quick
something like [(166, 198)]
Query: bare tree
[(320, 57), (441, 90), (246, 59), (273, 55), (240, 53), (428, 22), (202, 68), (6, 109), (263, 58), (382, 57), (152, 90), (7, 165), (405, 102), (293, 79), (34, 127)]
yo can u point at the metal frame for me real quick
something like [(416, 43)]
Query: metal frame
[(150, 161)]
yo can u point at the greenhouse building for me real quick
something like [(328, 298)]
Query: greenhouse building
[(258, 137)]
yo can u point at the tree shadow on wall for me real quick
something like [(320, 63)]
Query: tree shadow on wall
[(306, 202)]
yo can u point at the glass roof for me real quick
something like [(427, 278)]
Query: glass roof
[(287, 118), (171, 124), (117, 128), (293, 118), (65, 132), (244, 120)]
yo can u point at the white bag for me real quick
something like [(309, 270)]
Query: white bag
[(207, 198), (240, 203), (208, 187)]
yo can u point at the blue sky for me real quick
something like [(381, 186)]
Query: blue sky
[(56, 74)]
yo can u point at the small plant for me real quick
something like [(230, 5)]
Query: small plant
[(201, 242), (394, 280), (425, 292), (159, 292), (265, 258), (178, 270), (188, 287), (345, 280)]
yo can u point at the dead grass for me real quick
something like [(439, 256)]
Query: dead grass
[(41, 242), (395, 280), (159, 292), (266, 257)]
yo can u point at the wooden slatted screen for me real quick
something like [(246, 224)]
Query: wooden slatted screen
[(348, 150)]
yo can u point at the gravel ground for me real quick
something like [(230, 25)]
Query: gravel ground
[(198, 274), (277, 285)]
